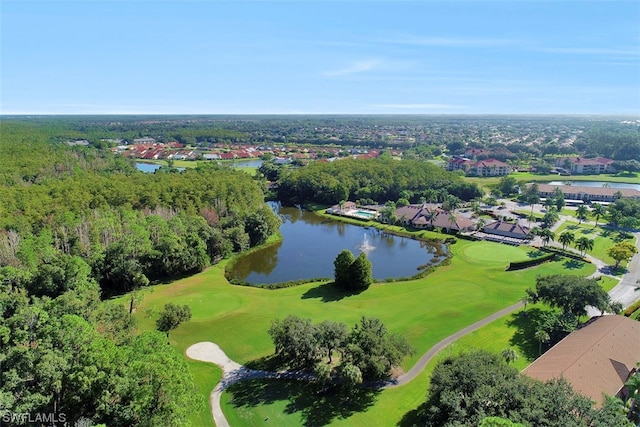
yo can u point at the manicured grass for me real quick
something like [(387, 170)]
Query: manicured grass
[(495, 337), (425, 311), (603, 237), (207, 375), (608, 283)]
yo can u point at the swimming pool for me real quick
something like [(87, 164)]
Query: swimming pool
[(366, 214)]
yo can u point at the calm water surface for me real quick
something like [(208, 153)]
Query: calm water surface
[(311, 243), (147, 167), (150, 167)]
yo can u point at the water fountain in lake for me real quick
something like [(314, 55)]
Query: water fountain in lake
[(365, 246)]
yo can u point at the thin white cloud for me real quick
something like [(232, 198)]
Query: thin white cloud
[(354, 68), (592, 51), (448, 41)]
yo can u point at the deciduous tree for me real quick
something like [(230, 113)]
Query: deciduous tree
[(172, 316), (622, 251), (570, 293)]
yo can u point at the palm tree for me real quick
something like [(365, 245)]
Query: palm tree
[(452, 221), (550, 217), (547, 235), (509, 355), (549, 202), (475, 207), (597, 210), (542, 336), (581, 213), (584, 244), (633, 396), (566, 238), (450, 203)]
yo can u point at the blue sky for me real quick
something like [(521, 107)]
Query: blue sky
[(360, 57)]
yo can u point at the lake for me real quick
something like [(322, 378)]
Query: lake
[(596, 184), (147, 167), (311, 243), (150, 167)]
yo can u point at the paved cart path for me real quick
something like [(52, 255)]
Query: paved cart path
[(233, 372)]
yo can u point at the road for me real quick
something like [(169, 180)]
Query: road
[(628, 290)]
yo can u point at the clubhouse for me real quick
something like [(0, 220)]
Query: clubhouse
[(588, 194)]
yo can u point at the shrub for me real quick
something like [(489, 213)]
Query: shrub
[(632, 309), (519, 265)]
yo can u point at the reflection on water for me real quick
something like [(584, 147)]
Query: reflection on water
[(311, 243)]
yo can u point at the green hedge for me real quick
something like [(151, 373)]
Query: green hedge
[(519, 265), (564, 253), (632, 309)]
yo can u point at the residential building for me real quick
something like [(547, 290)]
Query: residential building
[(584, 166), (459, 163), (488, 167), (429, 216), (145, 140), (588, 194), (596, 359)]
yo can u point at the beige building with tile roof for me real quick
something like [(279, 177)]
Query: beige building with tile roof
[(592, 194)]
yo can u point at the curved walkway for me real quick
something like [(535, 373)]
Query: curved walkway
[(233, 372)]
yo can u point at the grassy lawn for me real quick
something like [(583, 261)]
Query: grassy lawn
[(425, 311), (604, 238), (608, 283), (206, 376)]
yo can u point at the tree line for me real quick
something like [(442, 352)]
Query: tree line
[(128, 227), (372, 181)]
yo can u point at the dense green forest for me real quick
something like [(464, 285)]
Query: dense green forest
[(78, 225), (373, 181)]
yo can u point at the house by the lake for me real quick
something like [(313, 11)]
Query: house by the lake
[(430, 216)]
